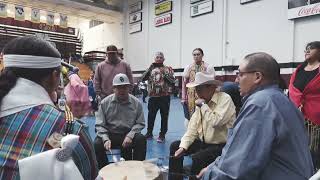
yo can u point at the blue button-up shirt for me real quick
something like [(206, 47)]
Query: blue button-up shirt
[(268, 141)]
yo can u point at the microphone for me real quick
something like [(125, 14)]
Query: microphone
[(69, 66)]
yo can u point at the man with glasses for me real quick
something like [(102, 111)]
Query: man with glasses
[(106, 70), (160, 82), (207, 130), (268, 140)]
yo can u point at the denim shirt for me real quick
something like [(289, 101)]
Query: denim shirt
[(268, 141)]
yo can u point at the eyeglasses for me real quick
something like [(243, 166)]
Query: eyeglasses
[(198, 54), (239, 73)]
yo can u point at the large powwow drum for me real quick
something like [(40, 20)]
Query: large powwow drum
[(130, 170)]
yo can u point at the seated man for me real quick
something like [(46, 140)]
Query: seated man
[(207, 130), (269, 140), (119, 122)]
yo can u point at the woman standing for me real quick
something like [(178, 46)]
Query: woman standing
[(188, 94), (304, 91)]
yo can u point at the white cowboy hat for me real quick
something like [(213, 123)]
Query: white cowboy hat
[(204, 78)]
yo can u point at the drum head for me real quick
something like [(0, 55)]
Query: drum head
[(130, 170)]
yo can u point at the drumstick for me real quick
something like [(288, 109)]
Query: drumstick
[(184, 175)]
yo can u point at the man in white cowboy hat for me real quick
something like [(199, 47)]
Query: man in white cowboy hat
[(206, 134), (119, 122)]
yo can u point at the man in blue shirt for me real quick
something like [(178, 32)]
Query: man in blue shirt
[(268, 141)]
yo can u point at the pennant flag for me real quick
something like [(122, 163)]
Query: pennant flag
[(3, 10), (35, 15), (50, 18), (19, 13), (63, 20)]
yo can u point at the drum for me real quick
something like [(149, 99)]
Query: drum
[(130, 170)]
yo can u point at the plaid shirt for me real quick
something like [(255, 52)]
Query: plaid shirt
[(25, 133)]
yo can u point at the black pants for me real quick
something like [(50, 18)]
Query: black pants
[(201, 154), (144, 94), (154, 104), (139, 146)]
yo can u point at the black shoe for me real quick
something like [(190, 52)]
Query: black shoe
[(161, 139), (148, 135)]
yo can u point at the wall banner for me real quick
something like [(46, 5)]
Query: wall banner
[(158, 1), (135, 7), (136, 17), (246, 1), (63, 20), (162, 20), (3, 10), (19, 13), (201, 8), (133, 28), (194, 1), (302, 8), (35, 15), (163, 7), (50, 18)]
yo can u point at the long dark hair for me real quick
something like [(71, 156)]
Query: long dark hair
[(27, 45), (313, 45), (199, 49)]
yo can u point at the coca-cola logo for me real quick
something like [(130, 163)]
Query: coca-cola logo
[(307, 11)]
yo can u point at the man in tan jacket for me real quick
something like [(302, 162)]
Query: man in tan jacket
[(207, 130)]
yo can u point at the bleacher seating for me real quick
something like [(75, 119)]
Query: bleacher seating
[(66, 43)]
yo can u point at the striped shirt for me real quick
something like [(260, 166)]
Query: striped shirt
[(25, 133)]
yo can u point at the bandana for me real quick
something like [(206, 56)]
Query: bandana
[(32, 62)]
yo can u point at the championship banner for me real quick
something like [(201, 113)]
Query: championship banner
[(50, 18), (19, 13), (163, 8), (3, 10), (63, 20), (35, 15)]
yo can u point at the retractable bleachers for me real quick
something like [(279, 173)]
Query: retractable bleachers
[(65, 42)]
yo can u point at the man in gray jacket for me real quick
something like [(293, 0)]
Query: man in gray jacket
[(119, 122)]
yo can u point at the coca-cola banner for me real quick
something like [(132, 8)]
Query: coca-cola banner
[(303, 8)]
